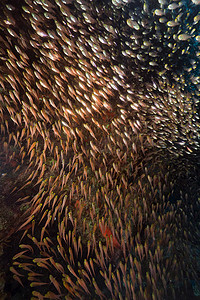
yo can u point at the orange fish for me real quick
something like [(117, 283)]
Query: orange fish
[(106, 232)]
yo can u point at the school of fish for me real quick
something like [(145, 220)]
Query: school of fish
[(99, 102)]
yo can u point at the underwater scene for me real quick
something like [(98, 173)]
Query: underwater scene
[(100, 149)]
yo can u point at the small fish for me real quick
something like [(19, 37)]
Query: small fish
[(184, 37)]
